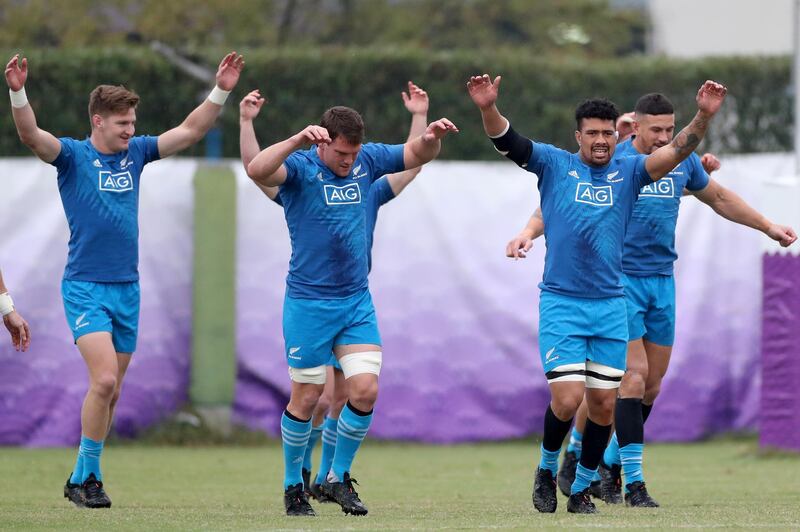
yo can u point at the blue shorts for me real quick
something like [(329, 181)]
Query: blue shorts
[(651, 308), (573, 330), (333, 362), (111, 307), (312, 327)]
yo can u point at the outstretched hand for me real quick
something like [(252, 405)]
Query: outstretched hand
[(16, 72), (228, 72), (20, 332), (483, 90), (783, 234), (415, 100), (437, 130), (710, 97), (250, 105)]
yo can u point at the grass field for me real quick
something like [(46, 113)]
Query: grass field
[(719, 484)]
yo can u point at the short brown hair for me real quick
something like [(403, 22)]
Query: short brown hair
[(111, 99), (345, 122)]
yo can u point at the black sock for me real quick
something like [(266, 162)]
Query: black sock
[(555, 430), (628, 421), (295, 418), (356, 411), (646, 411), (595, 438)]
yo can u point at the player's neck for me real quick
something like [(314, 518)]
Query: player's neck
[(99, 145), (637, 145)]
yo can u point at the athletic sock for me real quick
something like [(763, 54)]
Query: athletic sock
[(316, 432), (575, 442), (555, 430), (91, 451), (646, 409), (630, 431), (294, 434), (328, 448), (77, 473), (594, 439), (350, 432), (611, 454)]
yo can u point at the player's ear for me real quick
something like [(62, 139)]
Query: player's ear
[(578, 137), (97, 121)]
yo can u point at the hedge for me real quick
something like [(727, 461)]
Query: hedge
[(538, 94)]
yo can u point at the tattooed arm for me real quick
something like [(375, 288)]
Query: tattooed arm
[(709, 100)]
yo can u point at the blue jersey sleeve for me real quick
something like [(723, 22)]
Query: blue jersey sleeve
[(542, 159), (277, 199), (146, 147), (698, 178), (382, 190), (385, 158), (293, 164), (65, 157)]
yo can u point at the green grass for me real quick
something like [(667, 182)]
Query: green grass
[(719, 484)]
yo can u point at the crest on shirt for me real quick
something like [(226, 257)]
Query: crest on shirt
[(357, 174), (111, 182), (612, 177)]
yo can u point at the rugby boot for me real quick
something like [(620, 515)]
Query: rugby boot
[(345, 495), (581, 503), (94, 495), (296, 502), (638, 497), (74, 493), (610, 483), (544, 491)]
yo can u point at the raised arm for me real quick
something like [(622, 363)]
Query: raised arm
[(709, 100), (249, 108), (426, 147), (199, 121), (483, 92), (416, 102), (732, 207), (518, 247), (16, 324), (267, 167), (44, 144)]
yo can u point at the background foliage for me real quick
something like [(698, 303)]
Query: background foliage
[(538, 94)]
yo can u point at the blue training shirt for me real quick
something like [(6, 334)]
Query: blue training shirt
[(100, 194), (650, 241), (326, 215), (586, 210), (380, 193)]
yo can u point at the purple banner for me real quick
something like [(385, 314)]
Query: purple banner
[(42, 390), (459, 320)]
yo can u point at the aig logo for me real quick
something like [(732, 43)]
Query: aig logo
[(121, 182), (342, 195), (663, 188), (597, 196)]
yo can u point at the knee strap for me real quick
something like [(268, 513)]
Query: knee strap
[(315, 375), (364, 362)]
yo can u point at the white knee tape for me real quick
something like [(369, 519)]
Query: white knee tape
[(308, 375), (567, 373), (365, 362), (602, 377)]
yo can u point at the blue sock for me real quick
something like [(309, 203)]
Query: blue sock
[(611, 456), (583, 477), (549, 460), (316, 432), (631, 456), (328, 448), (294, 434), (91, 451), (77, 473), (350, 432), (575, 443), (596, 477)]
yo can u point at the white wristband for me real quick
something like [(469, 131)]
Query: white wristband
[(18, 98), (218, 96), (6, 304)]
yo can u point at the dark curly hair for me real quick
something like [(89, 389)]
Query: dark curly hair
[(596, 108), (343, 122), (654, 104)]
